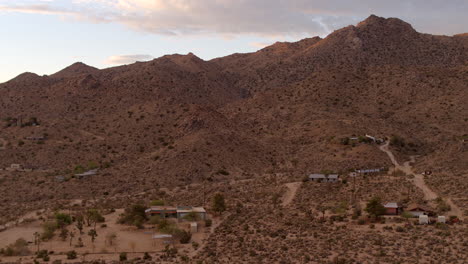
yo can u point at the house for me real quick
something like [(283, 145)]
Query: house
[(176, 212), (324, 177), (317, 177), (392, 208), (416, 210), (423, 219)]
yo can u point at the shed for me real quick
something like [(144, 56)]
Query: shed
[(423, 219), (392, 208), (333, 177), (193, 227), (441, 219)]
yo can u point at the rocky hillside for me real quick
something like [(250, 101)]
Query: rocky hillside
[(284, 109)]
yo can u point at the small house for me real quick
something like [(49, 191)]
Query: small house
[(392, 208), (423, 220), (416, 210), (441, 219)]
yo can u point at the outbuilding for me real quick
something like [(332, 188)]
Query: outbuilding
[(392, 208), (423, 220)]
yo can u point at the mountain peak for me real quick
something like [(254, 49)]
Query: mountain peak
[(374, 22), (77, 68)]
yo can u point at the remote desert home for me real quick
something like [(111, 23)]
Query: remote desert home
[(417, 209), (176, 212)]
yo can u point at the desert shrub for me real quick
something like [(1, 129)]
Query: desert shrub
[(183, 236), (157, 203), (123, 256), (147, 256), (19, 248), (133, 215), (219, 204), (208, 222), (48, 230), (71, 254), (397, 141), (63, 219), (400, 229), (42, 254)]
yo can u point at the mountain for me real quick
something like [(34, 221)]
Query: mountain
[(281, 112)]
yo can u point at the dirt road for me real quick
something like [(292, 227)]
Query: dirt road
[(418, 180), (290, 192)]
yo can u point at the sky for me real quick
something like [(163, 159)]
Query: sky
[(45, 36)]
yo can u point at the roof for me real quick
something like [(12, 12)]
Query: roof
[(333, 176), (161, 208), (415, 207), (191, 209), (391, 205), (317, 176)]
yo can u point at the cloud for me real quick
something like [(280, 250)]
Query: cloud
[(247, 17), (127, 59), (259, 45)]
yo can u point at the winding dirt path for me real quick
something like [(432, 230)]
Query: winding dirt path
[(290, 193), (418, 180)]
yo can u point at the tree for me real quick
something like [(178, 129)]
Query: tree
[(323, 209), (93, 234), (79, 223), (72, 235), (63, 234), (110, 239), (37, 240), (375, 208), (93, 217), (219, 205)]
